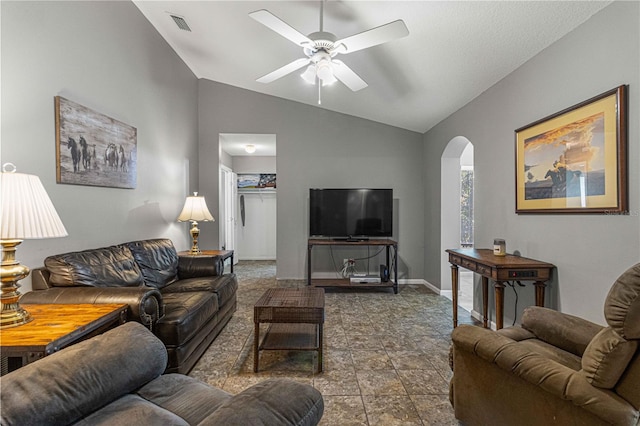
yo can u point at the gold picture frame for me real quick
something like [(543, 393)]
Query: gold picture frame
[(575, 161)]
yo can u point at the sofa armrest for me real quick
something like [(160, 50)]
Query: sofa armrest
[(199, 266), (69, 385), (564, 331), (271, 402), (553, 377), (145, 303)]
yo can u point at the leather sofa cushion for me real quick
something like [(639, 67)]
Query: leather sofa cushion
[(184, 316), (197, 266), (225, 286), (607, 357), (192, 400), (622, 306), (132, 409), (157, 259), (102, 267)]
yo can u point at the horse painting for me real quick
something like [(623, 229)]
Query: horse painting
[(93, 149), (75, 154), (111, 156), (86, 159), (124, 163), (92, 156)]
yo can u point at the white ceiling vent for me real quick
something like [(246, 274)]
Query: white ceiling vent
[(180, 22)]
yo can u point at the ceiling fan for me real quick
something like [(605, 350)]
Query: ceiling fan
[(320, 49)]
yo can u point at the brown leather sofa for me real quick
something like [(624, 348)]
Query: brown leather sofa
[(553, 369), (186, 301)]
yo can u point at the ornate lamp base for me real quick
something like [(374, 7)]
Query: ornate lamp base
[(195, 233), (11, 272)]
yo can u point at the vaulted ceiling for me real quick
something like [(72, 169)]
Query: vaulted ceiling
[(455, 50)]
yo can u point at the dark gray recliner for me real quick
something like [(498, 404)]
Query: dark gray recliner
[(116, 379)]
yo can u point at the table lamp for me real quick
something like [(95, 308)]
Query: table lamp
[(26, 212), (195, 209)]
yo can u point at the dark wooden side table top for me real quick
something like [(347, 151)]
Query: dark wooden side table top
[(297, 305), (224, 254), (56, 326)]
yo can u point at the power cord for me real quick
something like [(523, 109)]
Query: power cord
[(348, 268), (515, 308)]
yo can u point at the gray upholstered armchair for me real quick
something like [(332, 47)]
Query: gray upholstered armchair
[(555, 368)]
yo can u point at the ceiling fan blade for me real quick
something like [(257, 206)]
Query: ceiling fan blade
[(281, 72), (372, 37), (276, 24), (347, 76)]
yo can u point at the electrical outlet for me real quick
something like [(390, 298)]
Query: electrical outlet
[(348, 262)]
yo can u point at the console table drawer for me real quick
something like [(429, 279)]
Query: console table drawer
[(468, 264), (484, 270)]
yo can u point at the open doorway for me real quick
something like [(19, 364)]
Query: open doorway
[(456, 215), (248, 203)]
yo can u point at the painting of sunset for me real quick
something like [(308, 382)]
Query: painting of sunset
[(568, 161)]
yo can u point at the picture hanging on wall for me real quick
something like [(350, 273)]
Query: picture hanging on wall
[(93, 149), (256, 180), (575, 161)]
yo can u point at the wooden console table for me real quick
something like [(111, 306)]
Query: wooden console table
[(345, 282), (500, 269), (54, 327)]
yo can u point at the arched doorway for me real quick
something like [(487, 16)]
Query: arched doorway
[(456, 214)]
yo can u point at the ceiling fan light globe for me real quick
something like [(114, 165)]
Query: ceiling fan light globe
[(324, 70), (309, 75), (329, 81)]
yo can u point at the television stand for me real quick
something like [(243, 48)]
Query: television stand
[(346, 282)]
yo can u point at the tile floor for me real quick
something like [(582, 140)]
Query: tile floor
[(385, 355)]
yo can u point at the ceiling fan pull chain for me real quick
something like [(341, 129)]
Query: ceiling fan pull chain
[(319, 92)]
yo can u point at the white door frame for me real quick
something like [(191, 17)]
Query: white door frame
[(228, 198)]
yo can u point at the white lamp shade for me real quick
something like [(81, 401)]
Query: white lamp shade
[(195, 208), (26, 211)]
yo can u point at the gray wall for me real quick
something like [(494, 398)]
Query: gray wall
[(590, 251), (106, 56), (316, 148), (251, 164)]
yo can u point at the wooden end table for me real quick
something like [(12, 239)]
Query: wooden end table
[(55, 327), (296, 317), (224, 254)]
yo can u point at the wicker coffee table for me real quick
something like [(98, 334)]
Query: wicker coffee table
[(296, 316)]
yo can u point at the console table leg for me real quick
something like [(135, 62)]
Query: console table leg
[(485, 301), (499, 288), (540, 293), (454, 293)]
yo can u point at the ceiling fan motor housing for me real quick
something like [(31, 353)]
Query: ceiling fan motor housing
[(322, 41)]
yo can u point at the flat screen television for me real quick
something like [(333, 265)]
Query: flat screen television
[(350, 213)]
